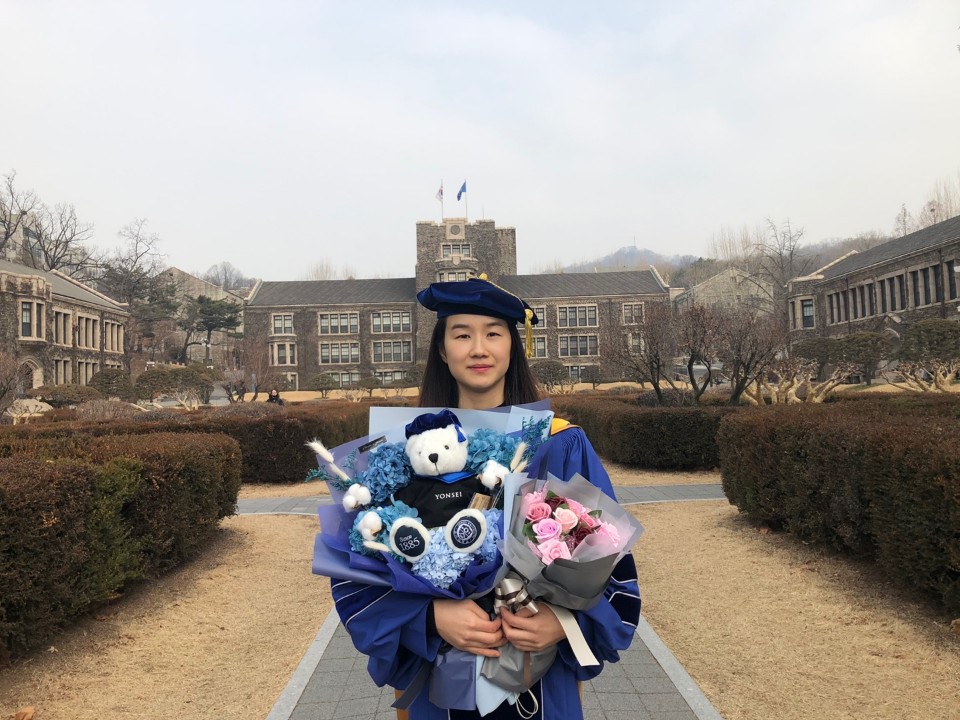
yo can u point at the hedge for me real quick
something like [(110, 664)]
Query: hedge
[(862, 478), (78, 524), (272, 445), (653, 438)]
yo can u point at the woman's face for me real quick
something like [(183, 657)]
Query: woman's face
[(476, 348)]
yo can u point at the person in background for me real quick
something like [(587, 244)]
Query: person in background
[(274, 397)]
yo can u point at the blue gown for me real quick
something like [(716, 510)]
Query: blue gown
[(391, 627)]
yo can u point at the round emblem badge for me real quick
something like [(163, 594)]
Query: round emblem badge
[(409, 539), (466, 531)]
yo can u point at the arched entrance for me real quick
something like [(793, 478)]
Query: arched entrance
[(29, 375)]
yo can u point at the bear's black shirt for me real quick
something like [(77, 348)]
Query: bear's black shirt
[(437, 501)]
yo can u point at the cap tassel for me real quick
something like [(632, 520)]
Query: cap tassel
[(528, 327)]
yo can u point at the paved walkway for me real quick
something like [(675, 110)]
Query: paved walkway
[(647, 684)]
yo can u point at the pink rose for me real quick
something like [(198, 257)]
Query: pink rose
[(567, 518), (609, 532), (547, 529), (537, 511), (552, 550), (576, 507), (588, 521)]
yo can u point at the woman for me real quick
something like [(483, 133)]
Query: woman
[(476, 361)]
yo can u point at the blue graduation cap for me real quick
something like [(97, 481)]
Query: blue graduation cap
[(479, 296)]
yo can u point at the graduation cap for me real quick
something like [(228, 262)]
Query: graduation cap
[(479, 296)]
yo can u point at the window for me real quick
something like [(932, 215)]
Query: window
[(846, 306), (952, 278), (455, 249), (283, 324), (339, 323), (293, 382), (925, 282), (892, 290), (283, 353), (883, 297), (31, 320), (632, 313), (541, 312), (339, 353), (539, 346), (902, 291), (61, 329), (577, 316), (806, 309), (396, 351), (88, 332), (385, 321), (793, 315), (634, 343), (863, 301), (578, 345), (937, 283), (389, 377), (347, 379), (915, 284), (26, 319)]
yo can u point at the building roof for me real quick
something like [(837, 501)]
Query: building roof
[(573, 285), (930, 237), (334, 292), (66, 287), (395, 290)]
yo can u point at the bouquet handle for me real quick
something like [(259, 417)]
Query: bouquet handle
[(578, 643)]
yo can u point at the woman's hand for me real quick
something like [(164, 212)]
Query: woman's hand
[(465, 625), (532, 633)]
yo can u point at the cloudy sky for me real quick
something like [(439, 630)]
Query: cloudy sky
[(276, 135)]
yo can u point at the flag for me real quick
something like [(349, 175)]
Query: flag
[(463, 189), (440, 193)]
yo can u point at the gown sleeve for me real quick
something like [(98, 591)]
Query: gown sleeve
[(609, 625), (387, 626)]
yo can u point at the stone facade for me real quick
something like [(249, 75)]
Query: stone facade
[(730, 288), (351, 328), (61, 331), (222, 345), (881, 289)]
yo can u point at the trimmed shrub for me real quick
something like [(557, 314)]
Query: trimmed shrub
[(80, 520), (113, 382), (655, 438), (860, 477), (273, 446), (60, 396)]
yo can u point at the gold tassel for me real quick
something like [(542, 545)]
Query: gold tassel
[(528, 326)]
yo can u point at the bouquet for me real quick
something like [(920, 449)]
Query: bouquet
[(347, 548), (563, 542)]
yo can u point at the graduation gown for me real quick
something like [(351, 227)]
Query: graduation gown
[(390, 627)]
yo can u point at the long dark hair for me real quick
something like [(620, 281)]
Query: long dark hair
[(439, 388)]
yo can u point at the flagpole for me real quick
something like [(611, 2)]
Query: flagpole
[(441, 201), (466, 209)]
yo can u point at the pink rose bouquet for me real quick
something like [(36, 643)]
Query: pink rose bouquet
[(557, 527)]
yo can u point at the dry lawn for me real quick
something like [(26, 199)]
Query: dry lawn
[(767, 627), (770, 628)]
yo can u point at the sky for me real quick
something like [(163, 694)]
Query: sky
[(279, 135)]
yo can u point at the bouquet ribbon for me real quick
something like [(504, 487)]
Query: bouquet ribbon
[(512, 593)]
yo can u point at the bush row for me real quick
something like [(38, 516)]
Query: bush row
[(80, 522), (272, 442), (680, 438), (860, 477)]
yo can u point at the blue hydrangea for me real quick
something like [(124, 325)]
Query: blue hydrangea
[(441, 565), (388, 470), (486, 444), (389, 514), (488, 551)]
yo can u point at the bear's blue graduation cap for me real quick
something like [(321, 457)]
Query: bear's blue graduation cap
[(479, 296)]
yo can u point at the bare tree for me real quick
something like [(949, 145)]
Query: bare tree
[(58, 242), (748, 345), (9, 379), (133, 274), (325, 270), (226, 276), (15, 207), (786, 378), (255, 374), (647, 353), (698, 334)]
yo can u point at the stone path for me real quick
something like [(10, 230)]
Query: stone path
[(647, 684)]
